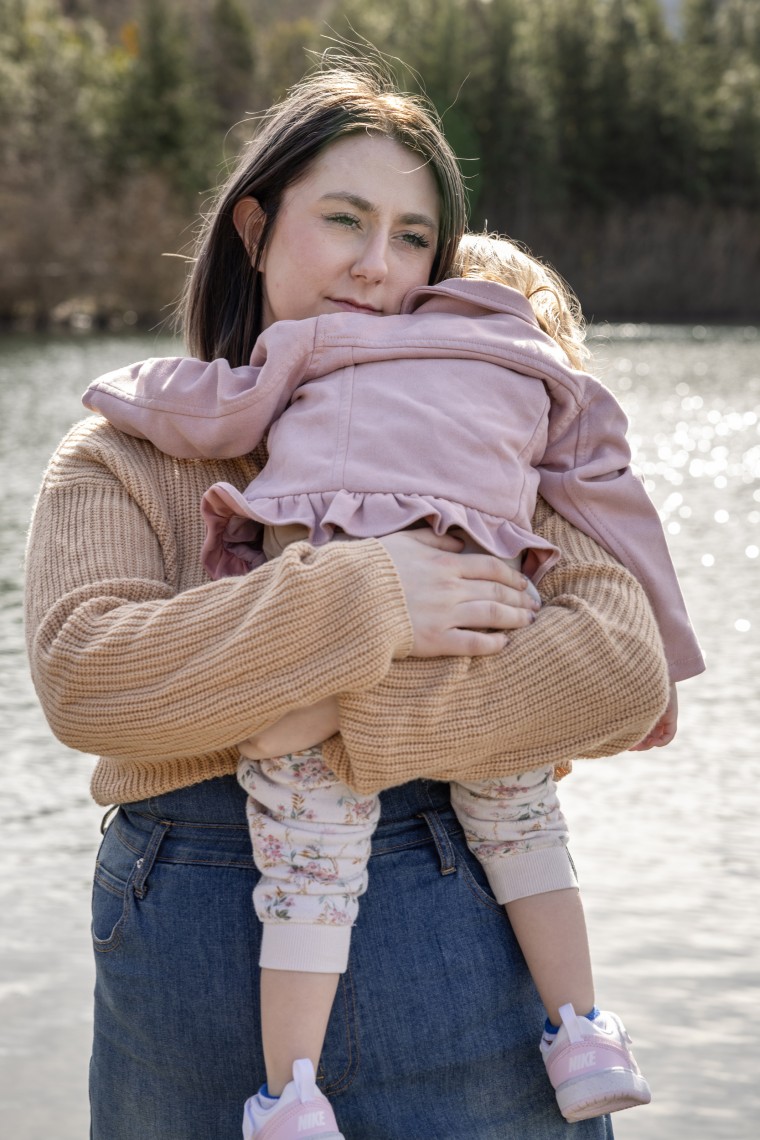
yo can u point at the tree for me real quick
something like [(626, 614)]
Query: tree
[(721, 62), (56, 79), (228, 61), (163, 120), (639, 107)]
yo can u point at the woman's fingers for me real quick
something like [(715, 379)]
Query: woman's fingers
[(493, 616), (492, 569), (471, 643), (665, 729), (458, 603)]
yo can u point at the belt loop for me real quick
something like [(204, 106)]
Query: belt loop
[(145, 864), (105, 821), (442, 842)]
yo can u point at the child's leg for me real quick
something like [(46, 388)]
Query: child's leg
[(551, 930), (515, 828), (295, 1009), (311, 841)]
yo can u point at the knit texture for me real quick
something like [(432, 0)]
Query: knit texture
[(136, 657), (588, 678)]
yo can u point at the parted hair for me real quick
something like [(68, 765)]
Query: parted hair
[(220, 311), (490, 257)]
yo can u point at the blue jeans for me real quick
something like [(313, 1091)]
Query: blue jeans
[(435, 1030)]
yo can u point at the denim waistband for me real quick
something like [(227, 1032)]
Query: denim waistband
[(222, 801), (206, 823)]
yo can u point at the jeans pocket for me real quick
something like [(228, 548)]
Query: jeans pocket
[(112, 894), (481, 890)]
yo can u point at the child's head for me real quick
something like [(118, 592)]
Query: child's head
[(489, 257)]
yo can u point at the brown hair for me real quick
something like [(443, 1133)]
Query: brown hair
[(221, 309), (557, 309)]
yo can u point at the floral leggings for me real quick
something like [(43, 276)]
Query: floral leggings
[(311, 842)]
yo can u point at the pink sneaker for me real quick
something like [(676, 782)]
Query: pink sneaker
[(591, 1066), (301, 1113)]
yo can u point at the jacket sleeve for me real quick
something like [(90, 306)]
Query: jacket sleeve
[(133, 655), (587, 678), (586, 476), (193, 410)]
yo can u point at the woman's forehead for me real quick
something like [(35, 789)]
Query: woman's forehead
[(374, 174)]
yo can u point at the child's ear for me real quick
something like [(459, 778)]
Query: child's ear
[(248, 218)]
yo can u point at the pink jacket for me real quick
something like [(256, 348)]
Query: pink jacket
[(462, 411)]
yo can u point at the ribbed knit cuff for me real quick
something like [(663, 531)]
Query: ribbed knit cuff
[(527, 873), (305, 946)]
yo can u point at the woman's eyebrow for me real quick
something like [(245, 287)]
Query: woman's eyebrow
[(367, 207)]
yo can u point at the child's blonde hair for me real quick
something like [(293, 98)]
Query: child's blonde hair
[(490, 257)]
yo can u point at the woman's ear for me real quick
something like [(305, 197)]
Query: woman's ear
[(248, 218)]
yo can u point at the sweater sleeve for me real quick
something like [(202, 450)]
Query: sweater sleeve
[(588, 678), (134, 655)]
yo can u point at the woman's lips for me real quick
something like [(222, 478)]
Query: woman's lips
[(346, 306)]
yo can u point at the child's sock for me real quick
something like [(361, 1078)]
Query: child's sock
[(265, 1098)]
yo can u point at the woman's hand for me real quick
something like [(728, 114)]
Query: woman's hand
[(665, 729), (459, 604)]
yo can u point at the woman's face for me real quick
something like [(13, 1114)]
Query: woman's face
[(354, 234)]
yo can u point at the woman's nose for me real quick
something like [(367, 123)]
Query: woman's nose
[(371, 262)]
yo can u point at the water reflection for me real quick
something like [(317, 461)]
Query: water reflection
[(666, 841)]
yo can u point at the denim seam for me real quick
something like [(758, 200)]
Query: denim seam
[(455, 833), (101, 880), (402, 846), (180, 824), (168, 860), (340, 1084), (480, 894), (245, 865), (147, 860), (443, 845), (125, 841), (114, 940)]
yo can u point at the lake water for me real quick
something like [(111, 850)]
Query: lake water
[(666, 842)]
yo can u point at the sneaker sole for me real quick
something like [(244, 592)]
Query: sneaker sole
[(323, 1136), (597, 1096)]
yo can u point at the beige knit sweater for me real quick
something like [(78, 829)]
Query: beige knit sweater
[(139, 659)]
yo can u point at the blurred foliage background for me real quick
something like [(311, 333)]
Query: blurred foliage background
[(621, 146)]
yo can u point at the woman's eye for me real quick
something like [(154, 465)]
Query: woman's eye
[(343, 219), (416, 241)]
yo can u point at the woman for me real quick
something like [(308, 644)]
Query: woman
[(139, 659)]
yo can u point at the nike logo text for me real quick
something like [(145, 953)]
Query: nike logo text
[(582, 1061), (311, 1120)]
